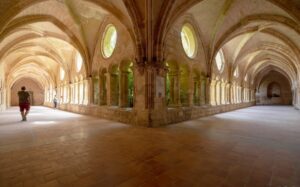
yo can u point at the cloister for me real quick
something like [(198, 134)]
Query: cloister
[(133, 62), (151, 63)]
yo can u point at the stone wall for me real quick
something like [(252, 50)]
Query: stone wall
[(175, 115), (171, 115), (37, 93), (274, 89)]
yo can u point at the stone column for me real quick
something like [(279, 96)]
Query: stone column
[(103, 89), (90, 89), (86, 91), (158, 112), (213, 92), (242, 94), (207, 92), (223, 96), (177, 90), (233, 94), (202, 91), (141, 95), (71, 85), (69, 92), (228, 91), (196, 91), (174, 89), (217, 92), (190, 90), (123, 89), (108, 89)]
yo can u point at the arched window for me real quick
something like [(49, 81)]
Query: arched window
[(220, 61), (236, 72), (246, 77), (188, 39), (79, 62), (62, 73), (109, 41)]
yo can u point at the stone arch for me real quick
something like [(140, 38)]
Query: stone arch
[(172, 83), (124, 47), (126, 83), (184, 88), (229, 34), (46, 18), (169, 45), (196, 86), (273, 90), (34, 86), (103, 87), (114, 78)]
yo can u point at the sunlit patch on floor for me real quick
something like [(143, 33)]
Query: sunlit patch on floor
[(43, 122)]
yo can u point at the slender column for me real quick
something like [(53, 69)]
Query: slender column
[(104, 89), (123, 91), (190, 89), (202, 91), (89, 96), (177, 90), (86, 91), (212, 92)]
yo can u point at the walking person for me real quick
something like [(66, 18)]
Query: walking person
[(24, 103), (55, 102)]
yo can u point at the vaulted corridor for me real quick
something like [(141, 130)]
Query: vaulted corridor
[(256, 146), (225, 73)]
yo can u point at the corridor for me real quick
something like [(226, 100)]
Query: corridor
[(256, 146)]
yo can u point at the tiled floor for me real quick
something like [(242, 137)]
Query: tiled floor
[(257, 146)]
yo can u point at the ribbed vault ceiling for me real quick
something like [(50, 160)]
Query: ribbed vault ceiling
[(38, 37)]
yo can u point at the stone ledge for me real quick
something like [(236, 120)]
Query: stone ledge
[(144, 118)]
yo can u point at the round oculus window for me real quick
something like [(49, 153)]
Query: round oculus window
[(220, 61), (79, 62), (188, 40), (62, 73), (109, 41)]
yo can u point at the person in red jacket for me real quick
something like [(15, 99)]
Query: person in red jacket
[(24, 103)]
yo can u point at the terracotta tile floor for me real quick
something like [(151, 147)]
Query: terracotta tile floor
[(257, 146)]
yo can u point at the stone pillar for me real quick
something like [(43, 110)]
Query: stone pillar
[(190, 90), (69, 92), (86, 91), (213, 92), (228, 93), (203, 91), (123, 89), (217, 92), (108, 91), (158, 112), (90, 89), (223, 96), (177, 90), (196, 95), (103, 90), (71, 85), (174, 89), (207, 92), (242, 94), (141, 95), (233, 94), (171, 102)]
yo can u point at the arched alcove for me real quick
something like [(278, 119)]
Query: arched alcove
[(273, 90), (32, 86)]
